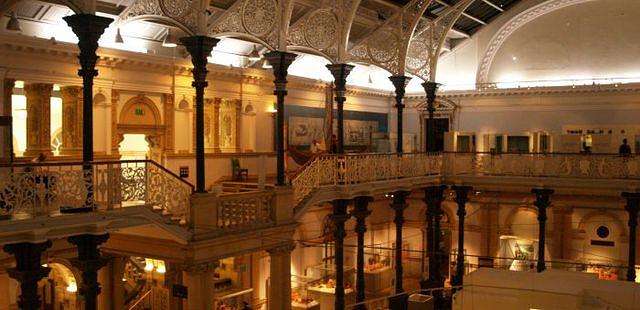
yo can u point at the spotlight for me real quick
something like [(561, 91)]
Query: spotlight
[(119, 37), (254, 55)]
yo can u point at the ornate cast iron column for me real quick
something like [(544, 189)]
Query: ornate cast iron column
[(400, 83), (28, 271), (430, 89), (542, 203), (434, 195), (632, 207), (89, 261), (339, 217), (280, 61), (360, 212), (340, 73), (399, 204), (199, 47), (461, 199), (88, 28)]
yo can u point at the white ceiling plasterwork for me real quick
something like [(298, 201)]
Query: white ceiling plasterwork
[(511, 26)]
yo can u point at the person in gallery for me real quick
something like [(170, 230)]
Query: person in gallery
[(624, 150), (315, 147)]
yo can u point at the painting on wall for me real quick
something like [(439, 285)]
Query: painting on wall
[(306, 124), (303, 130)]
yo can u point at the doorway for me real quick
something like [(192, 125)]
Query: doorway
[(134, 147), (441, 126)]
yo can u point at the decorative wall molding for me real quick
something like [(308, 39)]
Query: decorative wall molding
[(514, 24)]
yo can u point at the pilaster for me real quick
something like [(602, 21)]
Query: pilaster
[(38, 119), (71, 120), (7, 91), (198, 280), (169, 122), (280, 274), (216, 124)]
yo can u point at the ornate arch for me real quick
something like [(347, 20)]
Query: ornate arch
[(508, 221), (514, 24), (266, 20), (616, 221), (387, 46), (184, 14), (149, 125)]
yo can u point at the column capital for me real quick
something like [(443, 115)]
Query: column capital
[(89, 28), (399, 200), (340, 73), (399, 83), (284, 249), (28, 270), (434, 194), (197, 268), (360, 211), (280, 62), (430, 89), (543, 196), (199, 47)]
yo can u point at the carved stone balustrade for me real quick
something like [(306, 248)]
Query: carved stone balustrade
[(240, 211)]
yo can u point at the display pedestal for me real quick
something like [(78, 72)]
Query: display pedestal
[(420, 302), (314, 305), (379, 280), (326, 296)]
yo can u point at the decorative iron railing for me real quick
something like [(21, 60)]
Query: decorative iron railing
[(46, 189), (552, 165), (327, 170), (348, 169)]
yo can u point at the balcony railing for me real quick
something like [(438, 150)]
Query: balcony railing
[(247, 209), (329, 170), (48, 189), (552, 165)]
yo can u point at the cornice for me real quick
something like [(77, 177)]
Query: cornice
[(126, 60), (536, 91)]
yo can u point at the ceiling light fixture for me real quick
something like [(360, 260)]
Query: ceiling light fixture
[(14, 24), (254, 55), (169, 40), (119, 38)]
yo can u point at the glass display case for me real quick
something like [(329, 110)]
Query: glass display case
[(378, 272), (300, 297), (322, 281)]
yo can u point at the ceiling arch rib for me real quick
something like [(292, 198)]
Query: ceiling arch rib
[(325, 30), (263, 21), (425, 46), (184, 14), (386, 46)]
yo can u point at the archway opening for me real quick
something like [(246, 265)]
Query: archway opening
[(134, 147)]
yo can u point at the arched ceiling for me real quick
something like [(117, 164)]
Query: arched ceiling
[(400, 36)]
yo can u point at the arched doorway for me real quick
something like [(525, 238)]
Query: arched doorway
[(140, 121), (60, 289)]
